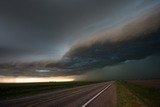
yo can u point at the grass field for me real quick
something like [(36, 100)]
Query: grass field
[(150, 96), (127, 99), (14, 90)]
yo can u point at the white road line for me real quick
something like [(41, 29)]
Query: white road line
[(84, 105)]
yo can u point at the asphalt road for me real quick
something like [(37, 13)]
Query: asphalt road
[(94, 95)]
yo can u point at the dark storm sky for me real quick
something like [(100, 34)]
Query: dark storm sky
[(80, 35)]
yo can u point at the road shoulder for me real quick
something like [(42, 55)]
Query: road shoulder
[(107, 99)]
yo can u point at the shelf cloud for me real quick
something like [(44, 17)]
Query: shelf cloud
[(43, 38), (132, 40)]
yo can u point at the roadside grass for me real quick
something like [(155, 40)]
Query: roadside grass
[(14, 90), (126, 99), (149, 96)]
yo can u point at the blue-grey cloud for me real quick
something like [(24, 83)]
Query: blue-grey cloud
[(46, 27), (90, 34), (132, 41)]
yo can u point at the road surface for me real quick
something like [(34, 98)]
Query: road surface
[(94, 95)]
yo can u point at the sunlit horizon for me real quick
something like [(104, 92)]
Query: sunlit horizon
[(22, 79)]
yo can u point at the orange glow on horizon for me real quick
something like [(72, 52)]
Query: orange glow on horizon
[(20, 79)]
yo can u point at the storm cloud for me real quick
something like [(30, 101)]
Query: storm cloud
[(133, 40), (78, 37)]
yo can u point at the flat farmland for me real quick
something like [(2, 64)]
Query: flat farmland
[(147, 83), (146, 90), (15, 90)]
